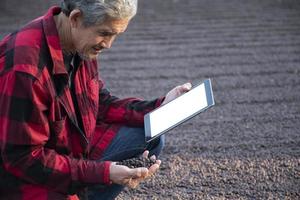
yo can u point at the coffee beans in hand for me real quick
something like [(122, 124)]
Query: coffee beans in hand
[(137, 162)]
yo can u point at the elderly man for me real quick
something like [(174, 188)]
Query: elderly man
[(60, 128)]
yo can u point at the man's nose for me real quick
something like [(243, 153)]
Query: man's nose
[(107, 42)]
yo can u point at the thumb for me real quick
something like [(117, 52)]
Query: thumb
[(185, 87), (138, 172)]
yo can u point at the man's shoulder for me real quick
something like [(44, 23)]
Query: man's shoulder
[(30, 35), (25, 48)]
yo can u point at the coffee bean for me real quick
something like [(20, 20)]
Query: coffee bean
[(137, 162)]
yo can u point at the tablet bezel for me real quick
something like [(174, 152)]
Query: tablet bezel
[(210, 102)]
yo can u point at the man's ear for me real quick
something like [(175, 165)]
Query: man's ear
[(75, 18)]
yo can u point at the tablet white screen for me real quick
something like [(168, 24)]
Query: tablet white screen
[(178, 109)]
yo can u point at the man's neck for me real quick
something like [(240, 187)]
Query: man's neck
[(64, 32)]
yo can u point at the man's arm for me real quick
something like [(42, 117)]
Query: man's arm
[(24, 132), (129, 111)]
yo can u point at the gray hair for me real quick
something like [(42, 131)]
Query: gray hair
[(96, 11)]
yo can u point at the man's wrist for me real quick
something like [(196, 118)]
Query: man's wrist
[(159, 101), (106, 175)]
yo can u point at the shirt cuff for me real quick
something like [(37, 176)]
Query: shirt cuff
[(159, 102), (106, 174)]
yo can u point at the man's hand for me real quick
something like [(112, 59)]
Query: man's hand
[(176, 92), (123, 175)]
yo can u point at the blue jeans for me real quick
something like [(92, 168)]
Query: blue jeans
[(128, 143)]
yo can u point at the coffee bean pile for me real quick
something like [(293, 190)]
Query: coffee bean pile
[(137, 162)]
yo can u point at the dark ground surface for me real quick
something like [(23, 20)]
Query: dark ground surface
[(248, 145)]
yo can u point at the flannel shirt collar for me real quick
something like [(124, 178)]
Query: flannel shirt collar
[(53, 41)]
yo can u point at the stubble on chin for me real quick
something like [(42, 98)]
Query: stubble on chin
[(85, 52), (87, 57)]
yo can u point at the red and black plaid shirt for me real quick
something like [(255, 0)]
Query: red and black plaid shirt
[(44, 155)]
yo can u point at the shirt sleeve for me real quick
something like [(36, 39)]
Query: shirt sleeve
[(128, 111), (24, 132)]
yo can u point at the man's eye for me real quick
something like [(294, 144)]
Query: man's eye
[(104, 33)]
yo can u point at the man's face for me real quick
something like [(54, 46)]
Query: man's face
[(90, 41)]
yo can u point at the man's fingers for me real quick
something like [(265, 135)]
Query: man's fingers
[(138, 172), (158, 162), (146, 154), (153, 158), (154, 167), (185, 87), (132, 183)]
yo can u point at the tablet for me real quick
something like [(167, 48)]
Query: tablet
[(179, 110)]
